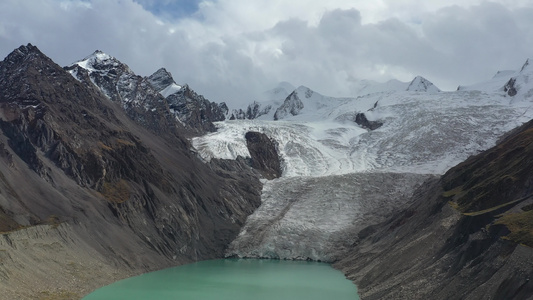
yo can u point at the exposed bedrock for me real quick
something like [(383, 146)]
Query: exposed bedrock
[(264, 154)]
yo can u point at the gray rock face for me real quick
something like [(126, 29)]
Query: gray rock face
[(196, 112), (421, 84), (142, 100), (135, 94), (256, 110), (292, 105), (430, 251), (253, 111), (161, 79), (264, 154), (520, 83), (510, 88), (361, 119)]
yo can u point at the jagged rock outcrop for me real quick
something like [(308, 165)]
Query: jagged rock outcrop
[(264, 154), (161, 80), (467, 235), (121, 85), (292, 105), (510, 87), (237, 114), (256, 110), (520, 82), (361, 119), (131, 192), (196, 112), (253, 111), (156, 101)]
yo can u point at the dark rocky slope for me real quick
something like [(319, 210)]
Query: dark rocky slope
[(192, 110), (467, 235), (196, 112), (90, 184), (264, 154)]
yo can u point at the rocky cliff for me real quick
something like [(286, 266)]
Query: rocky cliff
[(264, 154), (194, 111), (291, 106), (105, 168)]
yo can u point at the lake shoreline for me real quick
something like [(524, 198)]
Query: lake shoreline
[(235, 278)]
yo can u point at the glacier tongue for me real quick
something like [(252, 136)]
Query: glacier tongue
[(314, 217)]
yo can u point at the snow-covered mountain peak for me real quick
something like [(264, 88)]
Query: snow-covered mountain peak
[(163, 82), (286, 86), (291, 106), (278, 93), (101, 55), (304, 92), (119, 83), (304, 104), (421, 84), (100, 61)]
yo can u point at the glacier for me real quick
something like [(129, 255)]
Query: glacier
[(339, 177)]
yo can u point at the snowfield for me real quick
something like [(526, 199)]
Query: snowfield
[(339, 177), (421, 133)]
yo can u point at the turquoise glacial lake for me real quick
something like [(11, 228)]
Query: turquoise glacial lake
[(235, 279)]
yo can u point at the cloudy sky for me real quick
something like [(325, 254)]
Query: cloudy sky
[(229, 50)]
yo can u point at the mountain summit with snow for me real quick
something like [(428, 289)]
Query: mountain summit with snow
[(163, 82), (421, 84)]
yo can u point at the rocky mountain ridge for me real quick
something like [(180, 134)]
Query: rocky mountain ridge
[(280, 104), (421, 84), (155, 101)]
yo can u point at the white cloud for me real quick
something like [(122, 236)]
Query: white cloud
[(230, 49)]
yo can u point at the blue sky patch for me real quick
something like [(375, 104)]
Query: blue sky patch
[(170, 9)]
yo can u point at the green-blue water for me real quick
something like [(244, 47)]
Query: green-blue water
[(235, 279)]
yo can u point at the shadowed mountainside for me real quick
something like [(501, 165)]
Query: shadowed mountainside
[(77, 166)]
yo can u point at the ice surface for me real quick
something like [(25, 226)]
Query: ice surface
[(421, 133)]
